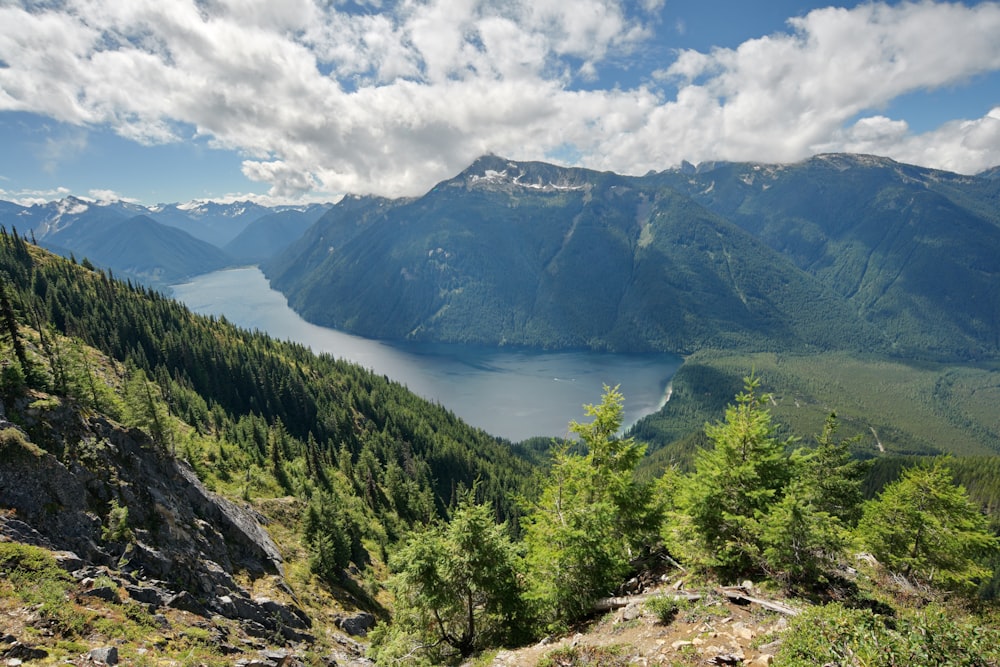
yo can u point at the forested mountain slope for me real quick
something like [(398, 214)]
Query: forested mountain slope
[(531, 254), (217, 377), (837, 252), (914, 251)]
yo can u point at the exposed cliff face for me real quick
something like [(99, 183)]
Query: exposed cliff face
[(184, 544)]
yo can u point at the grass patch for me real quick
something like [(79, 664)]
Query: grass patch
[(612, 655), (665, 608)]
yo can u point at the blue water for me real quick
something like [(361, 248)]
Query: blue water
[(511, 393)]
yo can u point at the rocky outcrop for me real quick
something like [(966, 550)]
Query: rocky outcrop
[(183, 542)]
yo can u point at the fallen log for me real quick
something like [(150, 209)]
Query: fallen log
[(738, 594), (607, 604)]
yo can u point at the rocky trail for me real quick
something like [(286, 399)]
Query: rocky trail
[(719, 626)]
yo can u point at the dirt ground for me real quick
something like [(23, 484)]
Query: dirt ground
[(713, 630)]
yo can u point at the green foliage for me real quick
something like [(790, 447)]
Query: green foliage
[(664, 607), (334, 536), (41, 585), (457, 589), (592, 516), (805, 532), (832, 477), (116, 528), (734, 485), (925, 526), (573, 554), (834, 634), (800, 542)]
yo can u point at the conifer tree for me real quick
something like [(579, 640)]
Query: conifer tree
[(806, 532), (592, 516), (925, 526), (457, 590), (734, 485), (10, 327)]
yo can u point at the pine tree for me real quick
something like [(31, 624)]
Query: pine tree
[(457, 589), (925, 526), (734, 485), (591, 518), (10, 327), (807, 531)]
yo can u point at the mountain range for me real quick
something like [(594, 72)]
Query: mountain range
[(163, 244), (839, 251), (836, 252)]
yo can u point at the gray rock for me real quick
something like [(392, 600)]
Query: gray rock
[(68, 561), (108, 655), (102, 593), (21, 652), (357, 625), (187, 602), (147, 594), (632, 612)]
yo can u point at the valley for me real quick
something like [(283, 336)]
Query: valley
[(318, 498), (512, 393)]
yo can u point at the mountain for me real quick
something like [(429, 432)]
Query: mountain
[(170, 242), (209, 221), (154, 254), (116, 235), (537, 255), (840, 251), (271, 233), (914, 251)]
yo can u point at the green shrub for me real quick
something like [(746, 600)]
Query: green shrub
[(834, 634), (664, 607)]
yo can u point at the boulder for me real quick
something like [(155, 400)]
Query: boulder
[(357, 625), (107, 655), (19, 651)]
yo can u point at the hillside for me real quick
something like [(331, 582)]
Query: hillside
[(535, 255), (914, 251), (168, 441), (837, 252), (174, 489)]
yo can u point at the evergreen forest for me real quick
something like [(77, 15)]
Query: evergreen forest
[(459, 543)]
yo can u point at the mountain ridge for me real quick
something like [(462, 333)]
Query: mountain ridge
[(493, 256)]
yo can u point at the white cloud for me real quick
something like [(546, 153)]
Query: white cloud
[(32, 197), (320, 99), (110, 196), (785, 96)]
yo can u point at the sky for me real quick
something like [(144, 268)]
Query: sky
[(158, 101)]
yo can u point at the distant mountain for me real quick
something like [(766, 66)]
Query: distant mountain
[(840, 251), (993, 172), (143, 249), (537, 255), (270, 234), (215, 223), (170, 243), (914, 251)]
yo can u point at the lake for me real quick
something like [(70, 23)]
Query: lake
[(513, 393)]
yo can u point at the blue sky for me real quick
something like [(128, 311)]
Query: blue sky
[(285, 100)]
